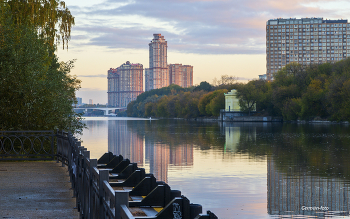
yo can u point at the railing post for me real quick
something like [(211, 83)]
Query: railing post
[(93, 163), (80, 173), (52, 145), (86, 184), (121, 198), (58, 146), (103, 176)]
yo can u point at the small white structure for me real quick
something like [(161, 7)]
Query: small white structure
[(231, 101)]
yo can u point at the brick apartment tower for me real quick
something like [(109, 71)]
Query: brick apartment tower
[(156, 76), (125, 83), (306, 41), (181, 75)]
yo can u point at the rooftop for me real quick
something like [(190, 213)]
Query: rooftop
[(311, 20)]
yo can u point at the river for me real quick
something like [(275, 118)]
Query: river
[(237, 170)]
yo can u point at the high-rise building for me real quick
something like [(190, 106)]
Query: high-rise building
[(125, 83), (306, 41), (181, 75), (156, 76), (79, 101)]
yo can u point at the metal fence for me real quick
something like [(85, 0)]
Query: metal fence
[(27, 145), (110, 187)]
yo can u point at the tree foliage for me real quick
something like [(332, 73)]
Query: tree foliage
[(36, 91), (300, 92), (44, 16), (203, 86), (176, 102), (251, 94)]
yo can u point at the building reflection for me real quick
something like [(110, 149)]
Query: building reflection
[(146, 150), (122, 141), (237, 134), (289, 194), (232, 137), (158, 158)]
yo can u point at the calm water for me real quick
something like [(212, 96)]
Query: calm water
[(240, 170)]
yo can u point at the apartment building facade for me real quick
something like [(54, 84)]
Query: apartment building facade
[(306, 41), (181, 75), (156, 76), (125, 83)]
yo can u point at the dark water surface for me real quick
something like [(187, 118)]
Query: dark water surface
[(238, 170)]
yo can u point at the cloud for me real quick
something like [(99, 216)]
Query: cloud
[(195, 26)]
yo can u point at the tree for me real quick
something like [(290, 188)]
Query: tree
[(217, 103), (211, 103), (162, 107), (313, 101), (224, 80), (36, 91), (203, 102), (345, 107), (203, 86), (43, 16), (291, 109), (250, 94), (337, 97)]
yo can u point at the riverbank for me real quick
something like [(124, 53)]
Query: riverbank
[(227, 119), (262, 119), (320, 121)]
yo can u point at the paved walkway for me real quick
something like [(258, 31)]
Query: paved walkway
[(35, 190)]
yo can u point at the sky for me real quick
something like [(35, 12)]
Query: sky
[(216, 37)]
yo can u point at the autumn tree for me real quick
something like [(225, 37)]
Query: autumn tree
[(211, 103), (251, 94), (217, 103), (44, 16), (313, 101), (36, 90)]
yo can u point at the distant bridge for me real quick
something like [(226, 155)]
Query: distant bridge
[(106, 110)]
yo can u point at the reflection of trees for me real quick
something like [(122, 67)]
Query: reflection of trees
[(322, 150), (179, 132), (256, 138)]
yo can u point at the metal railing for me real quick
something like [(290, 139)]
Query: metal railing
[(99, 185), (27, 145)]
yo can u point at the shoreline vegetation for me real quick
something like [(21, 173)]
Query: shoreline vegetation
[(298, 93), (37, 90)]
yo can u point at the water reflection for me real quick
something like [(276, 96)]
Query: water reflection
[(128, 138), (301, 193), (307, 166), (234, 136), (249, 170), (122, 140)]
